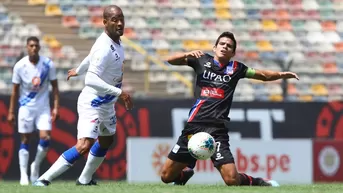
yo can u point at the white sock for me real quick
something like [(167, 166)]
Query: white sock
[(23, 161), (40, 155), (60, 166), (91, 166)]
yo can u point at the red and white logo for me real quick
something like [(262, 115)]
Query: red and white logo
[(160, 154), (327, 158), (212, 92), (36, 81)]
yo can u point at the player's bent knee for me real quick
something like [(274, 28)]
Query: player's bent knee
[(166, 176), (25, 141), (25, 138), (164, 180), (230, 181), (45, 137), (84, 145), (229, 174)]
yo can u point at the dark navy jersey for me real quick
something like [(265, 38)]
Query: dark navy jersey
[(214, 89)]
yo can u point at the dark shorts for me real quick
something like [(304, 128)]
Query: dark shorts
[(222, 155)]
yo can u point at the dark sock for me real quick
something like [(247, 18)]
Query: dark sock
[(247, 180)]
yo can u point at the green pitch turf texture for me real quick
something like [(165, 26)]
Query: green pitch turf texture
[(123, 187)]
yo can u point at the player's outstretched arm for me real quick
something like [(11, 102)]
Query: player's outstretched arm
[(267, 75), (13, 100), (181, 58), (82, 68)]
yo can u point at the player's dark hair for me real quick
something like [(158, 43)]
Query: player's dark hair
[(107, 11), (32, 38), (228, 35)]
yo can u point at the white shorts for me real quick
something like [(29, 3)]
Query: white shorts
[(29, 117), (95, 121)]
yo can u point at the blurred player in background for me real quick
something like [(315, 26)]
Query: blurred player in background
[(216, 80), (31, 77), (96, 111)]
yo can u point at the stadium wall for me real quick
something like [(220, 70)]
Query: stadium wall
[(288, 161), (165, 118)]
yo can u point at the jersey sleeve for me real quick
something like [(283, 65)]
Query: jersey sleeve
[(242, 69), (98, 62), (194, 62), (16, 76), (83, 66), (52, 71), (94, 81)]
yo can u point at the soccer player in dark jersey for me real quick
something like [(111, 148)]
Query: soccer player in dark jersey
[(216, 80)]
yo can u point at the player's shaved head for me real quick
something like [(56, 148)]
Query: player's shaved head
[(109, 10), (114, 22)]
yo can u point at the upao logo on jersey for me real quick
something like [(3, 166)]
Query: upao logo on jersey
[(208, 75)]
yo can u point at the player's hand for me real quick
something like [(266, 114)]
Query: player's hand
[(54, 114), (127, 100), (287, 75), (11, 118), (195, 53), (71, 73)]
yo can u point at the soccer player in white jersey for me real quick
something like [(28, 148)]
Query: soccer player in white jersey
[(31, 77), (96, 112)]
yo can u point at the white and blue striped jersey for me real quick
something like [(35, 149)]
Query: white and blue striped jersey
[(34, 81), (106, 62)]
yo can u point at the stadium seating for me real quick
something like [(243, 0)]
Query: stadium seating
[(52, 10), (308, 32), (13, 32), (36, 2)]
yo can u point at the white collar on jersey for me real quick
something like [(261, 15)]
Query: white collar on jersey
[(108, 37)]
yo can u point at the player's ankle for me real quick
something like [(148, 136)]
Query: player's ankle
[(247, 180)]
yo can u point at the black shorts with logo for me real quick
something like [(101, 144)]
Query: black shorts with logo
[(220, 134)]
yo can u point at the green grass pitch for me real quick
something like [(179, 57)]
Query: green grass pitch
[(123, 187)]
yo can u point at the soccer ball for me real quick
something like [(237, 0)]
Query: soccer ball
[(201, 146)]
